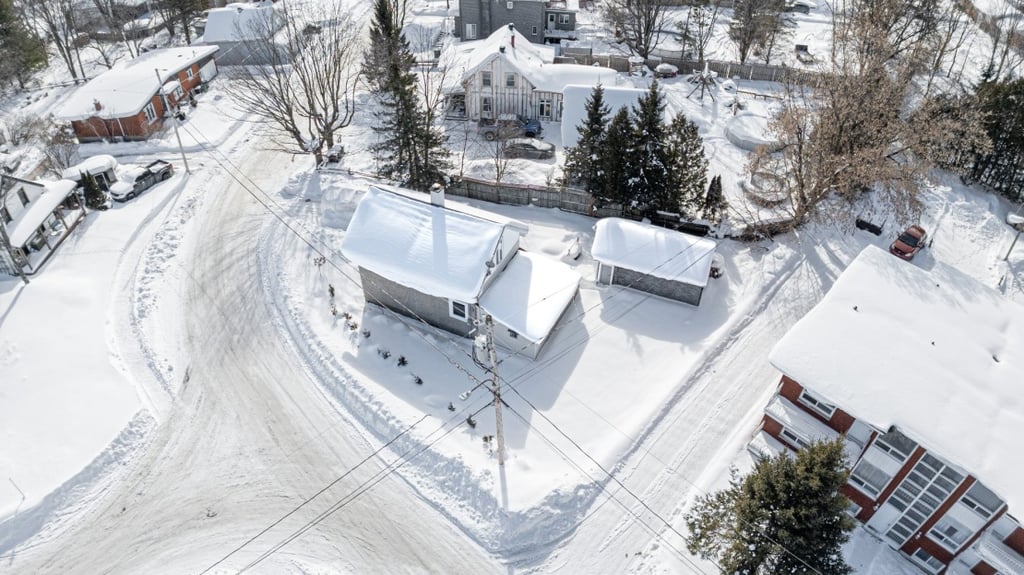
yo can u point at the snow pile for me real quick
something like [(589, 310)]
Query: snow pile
[(556, 77), (934, 353), (653, 251), (749, 131)]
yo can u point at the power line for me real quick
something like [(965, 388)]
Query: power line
[(532, 371)]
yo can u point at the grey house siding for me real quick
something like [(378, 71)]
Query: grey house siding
[(415, 304), (558, 25), (489, 15), (520, 345), (674, 290)]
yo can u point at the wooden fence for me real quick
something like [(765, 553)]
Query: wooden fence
[(567, 199)]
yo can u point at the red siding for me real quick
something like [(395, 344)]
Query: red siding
[(983, 569), (840, 420), (1015, 540)]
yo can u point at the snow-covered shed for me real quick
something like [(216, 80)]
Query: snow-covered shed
[(101, 166), (656, 260), (127, 102), (923, 371), (245, 33), (506, 74), (437, 264)]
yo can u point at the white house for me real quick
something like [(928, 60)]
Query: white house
[(921, 372), (506, 74), (244, 32), (451, 267), (656, 260), (32, 222)]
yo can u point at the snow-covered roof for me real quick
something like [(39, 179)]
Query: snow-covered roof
[(22, 228), (654, 251), (428, 248), (128, 87), (556, 77), (935, 353), (574, 106), (239, 22), (531, 294), (524, 57), (92, 165)]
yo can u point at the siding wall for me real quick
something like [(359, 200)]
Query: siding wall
[(489, 15), (415, 304), (674, 290)]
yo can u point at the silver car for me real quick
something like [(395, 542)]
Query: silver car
[(528, 148)]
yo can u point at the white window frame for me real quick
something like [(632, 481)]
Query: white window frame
[(794, 437), (863, 486), (549, 105), (946, 541), (975, 506), (470, 31), (485, 79), (821, 407), (510, 79), (534, 33), (563, 18), (923, 563), (150, 112), (509, 5), (452, 311), (189, 74), (891, 450), (486, 106)]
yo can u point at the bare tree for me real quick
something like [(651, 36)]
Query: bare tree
[(756, 23), (699, 27), (60, 150), (302, 81), (639, 21), (1006, 31), (55, 20), (953, 30)]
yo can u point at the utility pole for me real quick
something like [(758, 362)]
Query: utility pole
[(167, 110), (496, 390)]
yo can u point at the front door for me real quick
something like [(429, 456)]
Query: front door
[(551, 21)]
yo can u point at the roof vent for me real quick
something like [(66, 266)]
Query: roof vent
[(511, 27), (501, 49), (96, 104)]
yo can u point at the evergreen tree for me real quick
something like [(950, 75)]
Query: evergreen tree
[(616, 159), (787, 516), (650, 189), (582, 161), (715, 203), (24, 52), (688, 169), (411, 147), (95, 198)]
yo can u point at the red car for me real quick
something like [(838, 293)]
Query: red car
[(909, 243)]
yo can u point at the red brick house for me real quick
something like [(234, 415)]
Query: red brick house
[(921, 373), (130, 101)]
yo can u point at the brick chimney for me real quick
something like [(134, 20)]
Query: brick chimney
[(96, 104)]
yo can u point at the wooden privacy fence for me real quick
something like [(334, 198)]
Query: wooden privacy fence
[(567, 199), (755, 72)]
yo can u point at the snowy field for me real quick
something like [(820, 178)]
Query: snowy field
[(175, 375)]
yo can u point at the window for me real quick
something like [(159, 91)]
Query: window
[(825, 409), (982, 501), (563, 18), (868, 478), (5, 215), (485, 106), (510, 80), (950, 533), (545, 109), (188, 73), (150, 112), (513, 334), (794, 438), (485, 79), (470, 31), (23, 197), (509, 5), (534, 31), (896, 444), (458, 310), (925, 560)]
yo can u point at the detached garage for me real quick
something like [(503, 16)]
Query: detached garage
[(655, 260)]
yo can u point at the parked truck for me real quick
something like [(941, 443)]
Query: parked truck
[(136, 180)]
